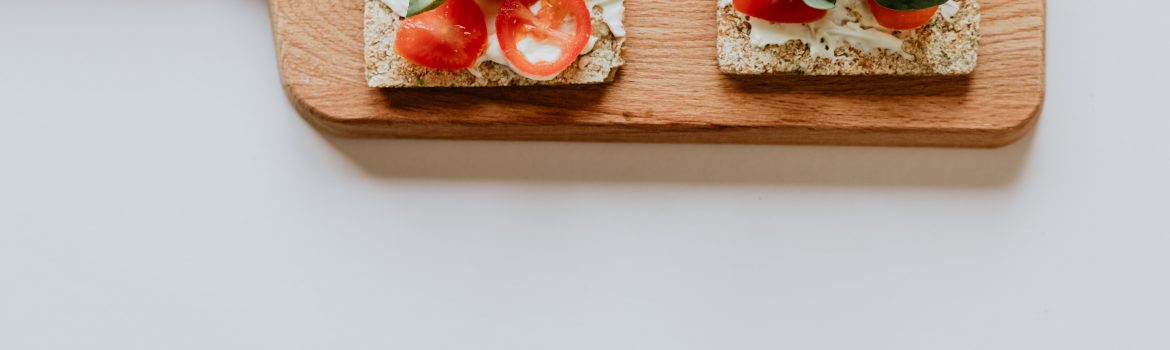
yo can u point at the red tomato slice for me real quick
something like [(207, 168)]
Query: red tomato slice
[(562, 26), (780, 11), (901, 20), (450, 37)]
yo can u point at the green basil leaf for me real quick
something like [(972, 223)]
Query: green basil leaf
[(821, 4), (910, 5), (420, 6)]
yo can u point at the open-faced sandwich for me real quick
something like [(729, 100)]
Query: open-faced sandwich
[(425, 43), (848, 37)]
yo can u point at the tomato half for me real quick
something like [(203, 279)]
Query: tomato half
[(450, 37), (780, 11), (901, 20), (540, 44)]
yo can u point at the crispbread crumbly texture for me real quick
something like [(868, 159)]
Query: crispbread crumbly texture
[(385, 69), (942, 47)]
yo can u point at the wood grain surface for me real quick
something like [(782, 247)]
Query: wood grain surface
[(671, 89)]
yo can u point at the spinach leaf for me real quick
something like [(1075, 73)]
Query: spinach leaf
[(910, 5), (420, 6)]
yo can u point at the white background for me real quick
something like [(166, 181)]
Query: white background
[(158, 192)]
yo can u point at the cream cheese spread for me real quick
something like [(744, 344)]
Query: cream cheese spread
[(612, 13), (839, 28)]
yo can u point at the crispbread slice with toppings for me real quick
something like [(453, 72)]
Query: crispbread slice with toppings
[(385, 69), (948, 45)]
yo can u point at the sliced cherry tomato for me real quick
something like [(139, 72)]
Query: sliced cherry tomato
[(450, 37), (780, 11), (901, 20), (553, 36)]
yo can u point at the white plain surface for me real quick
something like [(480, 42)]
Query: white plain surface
[(159, 193)]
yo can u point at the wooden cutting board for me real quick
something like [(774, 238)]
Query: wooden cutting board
[(671, 89)]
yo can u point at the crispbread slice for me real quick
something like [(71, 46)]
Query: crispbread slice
[(385, 69), (942, 47)]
